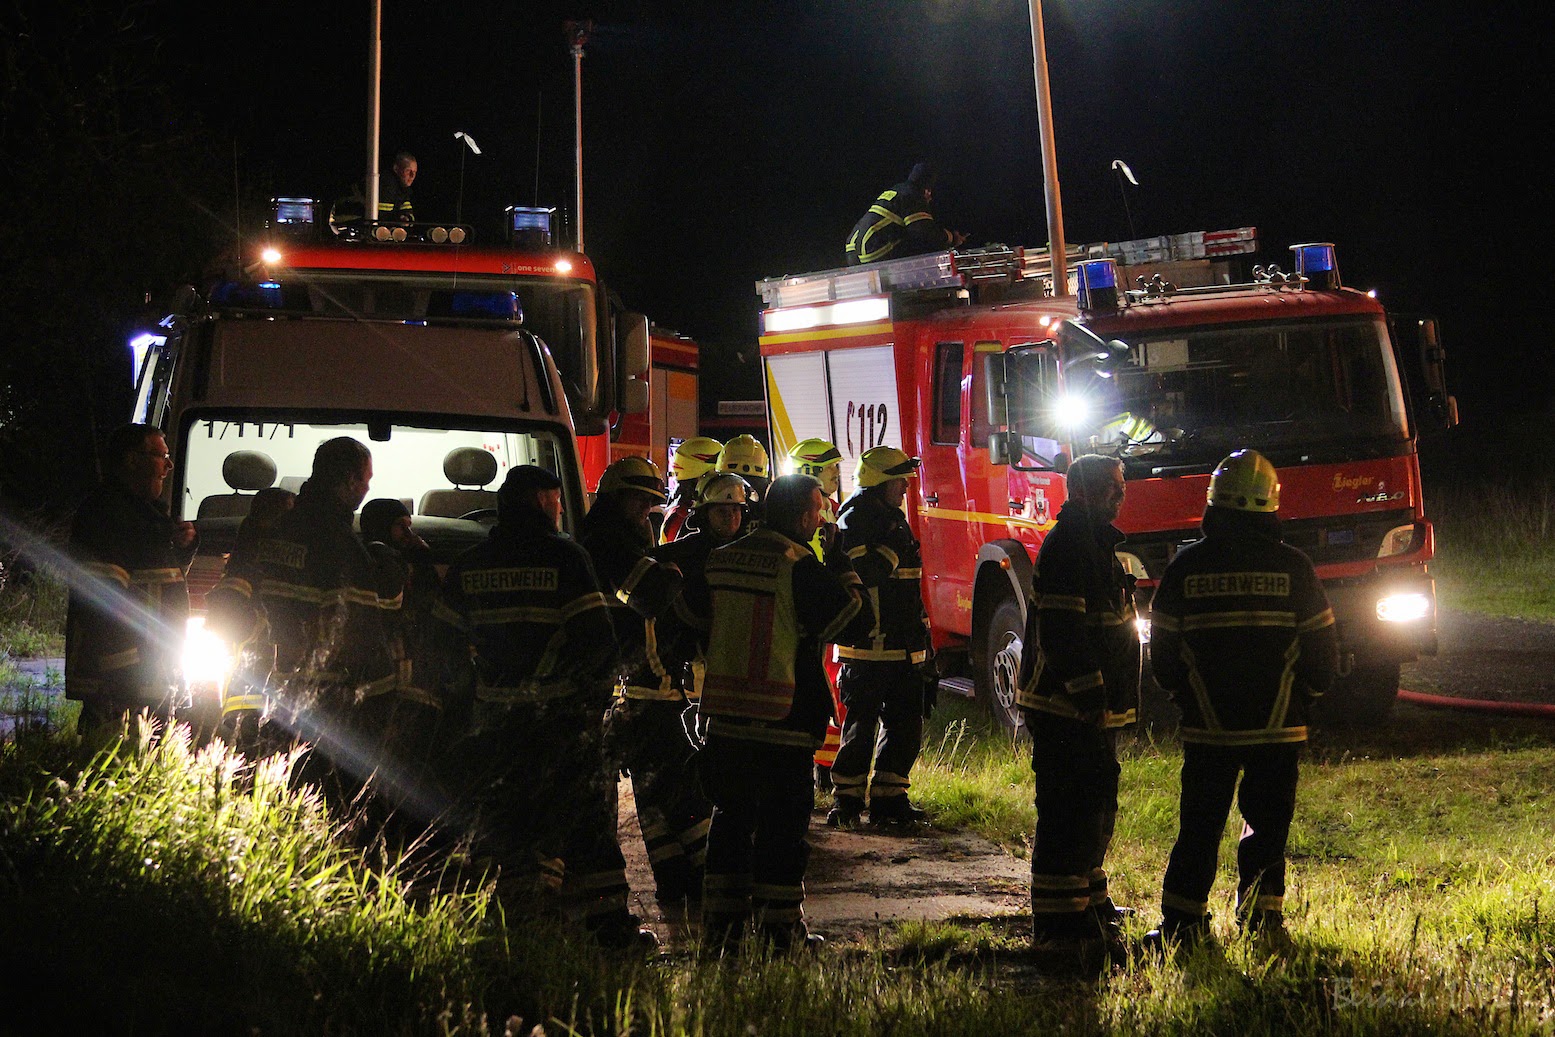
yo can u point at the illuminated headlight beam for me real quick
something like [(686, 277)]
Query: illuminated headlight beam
[(1404, 608), (207, 659)]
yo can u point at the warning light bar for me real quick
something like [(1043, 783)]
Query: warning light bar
[(1097, 285), (802, 318), (1317, 263)]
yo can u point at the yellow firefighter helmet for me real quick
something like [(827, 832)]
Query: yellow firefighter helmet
[(633, 473), (1245, 481), (743, 455), (881, 464), (694, 458), (821, 459)]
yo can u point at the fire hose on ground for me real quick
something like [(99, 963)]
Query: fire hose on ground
[(1512, 709)]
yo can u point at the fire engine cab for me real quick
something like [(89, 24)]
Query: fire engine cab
[(966, 359)]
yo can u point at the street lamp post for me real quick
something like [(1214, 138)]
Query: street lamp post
[(1055, 209), (577, 36), (374, 77)]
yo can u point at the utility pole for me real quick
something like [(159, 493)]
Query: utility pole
[(1055, 208), (374, 77), (577, 36)]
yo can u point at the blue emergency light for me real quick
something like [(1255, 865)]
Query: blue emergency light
[(1317, 263), (1096, 281), (531, 226), (294, 215)]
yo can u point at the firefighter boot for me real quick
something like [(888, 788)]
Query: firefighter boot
[(789, 938), (895, 810), (1178, 933), (846, 815), (1068, 945), (622, 931)]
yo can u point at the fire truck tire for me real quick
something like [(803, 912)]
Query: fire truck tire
[(1362, 699), (998, 671)]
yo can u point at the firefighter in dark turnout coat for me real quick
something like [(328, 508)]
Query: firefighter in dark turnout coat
[(901, 223), (127, 617), (526, 638), (1082, 685), (1243, 638), (766, 701), (882, 683), (644, 734)]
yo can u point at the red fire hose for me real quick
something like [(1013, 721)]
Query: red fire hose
[(1511, 709)]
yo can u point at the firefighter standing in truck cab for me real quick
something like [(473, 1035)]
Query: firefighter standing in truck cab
[(883, 682), (1081, 684), (746, 457), (901, 223), (1243, 637), (691, 460), (766, 703), (821, 459), (527, 650), (128, 613)]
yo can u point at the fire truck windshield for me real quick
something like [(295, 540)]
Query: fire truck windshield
[(1308, 391)]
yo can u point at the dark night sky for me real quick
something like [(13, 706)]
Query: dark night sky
[(733, 141)]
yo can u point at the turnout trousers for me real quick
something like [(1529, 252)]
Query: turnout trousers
[(1076, 770), (545, 811), (650, 740), (756, 849), (883, 727), (1267, 800)]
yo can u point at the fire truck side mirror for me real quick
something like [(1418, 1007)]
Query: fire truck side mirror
[(632, 328), (994, 385), (1443, 407), (1004, 448), (634, 396)]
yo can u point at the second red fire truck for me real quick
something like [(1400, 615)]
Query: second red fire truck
[(966, 359)]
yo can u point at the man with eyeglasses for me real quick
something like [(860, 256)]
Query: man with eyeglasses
[(129, 605)]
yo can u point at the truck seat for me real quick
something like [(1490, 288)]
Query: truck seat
[(470, 469), (247, 472)]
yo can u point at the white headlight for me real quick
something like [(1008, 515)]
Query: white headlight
[(208, 660), (1071, 411), (1397, 540), (1404, 608)]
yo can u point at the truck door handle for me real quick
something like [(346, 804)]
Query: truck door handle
[(932, 500), (1017, 505)]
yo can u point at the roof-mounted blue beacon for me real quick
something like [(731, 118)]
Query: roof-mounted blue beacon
[(1096, 284), (1317, 264)]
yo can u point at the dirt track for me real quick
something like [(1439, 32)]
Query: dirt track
[(858, 881)]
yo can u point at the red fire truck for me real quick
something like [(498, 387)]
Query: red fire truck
[(628, 384), (966, 359)]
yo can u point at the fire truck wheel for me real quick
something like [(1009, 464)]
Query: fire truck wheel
[(998, 675), (1362, 699)]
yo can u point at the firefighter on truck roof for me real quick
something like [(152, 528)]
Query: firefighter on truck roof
[(883, 683), (766, 703), (526, 643), (1081, 684), (1242, 637), (692, 459), (901, 223)]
